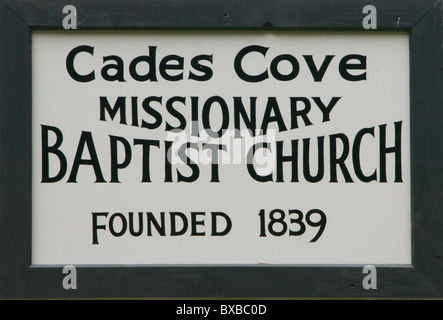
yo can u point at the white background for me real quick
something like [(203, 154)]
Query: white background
[(368, 223)]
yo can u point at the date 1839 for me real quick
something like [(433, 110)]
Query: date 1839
[(275, 222)]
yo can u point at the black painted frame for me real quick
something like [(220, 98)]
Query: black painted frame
[(423, 278)]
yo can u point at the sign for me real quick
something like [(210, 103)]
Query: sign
[(209, 150), (221, 148)]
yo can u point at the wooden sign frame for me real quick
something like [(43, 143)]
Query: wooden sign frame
[(20, 279)]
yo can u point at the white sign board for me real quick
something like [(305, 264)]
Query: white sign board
[(221, 148)]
